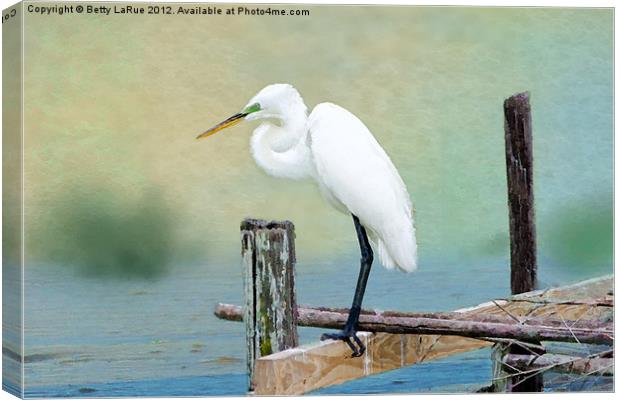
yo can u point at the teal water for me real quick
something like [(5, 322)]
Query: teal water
[(92, 337)]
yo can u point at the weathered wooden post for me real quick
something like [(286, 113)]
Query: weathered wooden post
[(519, 171), (268, 254)]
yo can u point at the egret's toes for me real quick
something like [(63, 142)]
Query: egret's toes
[(346, 337), (361, 348)]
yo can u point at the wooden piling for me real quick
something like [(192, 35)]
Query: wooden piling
[(519, 171), (268, 254)]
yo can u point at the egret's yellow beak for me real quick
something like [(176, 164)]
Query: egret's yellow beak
[(235, 119)]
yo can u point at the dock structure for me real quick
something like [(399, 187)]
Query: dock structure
[(517, 326), (310, 367)]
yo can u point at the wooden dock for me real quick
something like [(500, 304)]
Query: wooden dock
[(310, 367)]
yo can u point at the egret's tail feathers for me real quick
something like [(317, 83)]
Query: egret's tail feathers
[(403, 258), (399, 249), (384, 256)]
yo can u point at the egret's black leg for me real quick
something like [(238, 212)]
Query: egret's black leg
[(350, 329)]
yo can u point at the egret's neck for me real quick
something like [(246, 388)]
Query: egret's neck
[(281, 150), (291, 128)]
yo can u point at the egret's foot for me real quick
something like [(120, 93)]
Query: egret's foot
[(346, 337)]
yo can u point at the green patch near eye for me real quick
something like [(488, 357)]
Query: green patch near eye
[(251, 109)]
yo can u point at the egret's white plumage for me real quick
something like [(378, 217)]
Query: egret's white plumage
[(353, 172)]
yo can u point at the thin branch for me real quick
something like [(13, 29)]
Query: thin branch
[(595, 303), (548, 362), (507, 312), (587, 311)]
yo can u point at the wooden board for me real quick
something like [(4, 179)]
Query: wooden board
[(306, 368)]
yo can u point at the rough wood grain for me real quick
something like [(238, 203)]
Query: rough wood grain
[(595, 365), (519, 170), (233, 312), (300, 370), (569, 331), (268, 255), (586, 301)]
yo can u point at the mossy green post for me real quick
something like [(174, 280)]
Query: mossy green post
[(268, 253)]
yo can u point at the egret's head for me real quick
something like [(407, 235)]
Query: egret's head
[(273, 101)]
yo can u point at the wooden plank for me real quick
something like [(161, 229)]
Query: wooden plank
[(268, 254), (300, 370), (592, 365)]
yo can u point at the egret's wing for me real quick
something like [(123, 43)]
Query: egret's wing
[(354, 171)]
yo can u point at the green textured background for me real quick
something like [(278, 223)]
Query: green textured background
[(114, 103)]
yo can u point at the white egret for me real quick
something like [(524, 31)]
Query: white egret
[(353, 172)]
